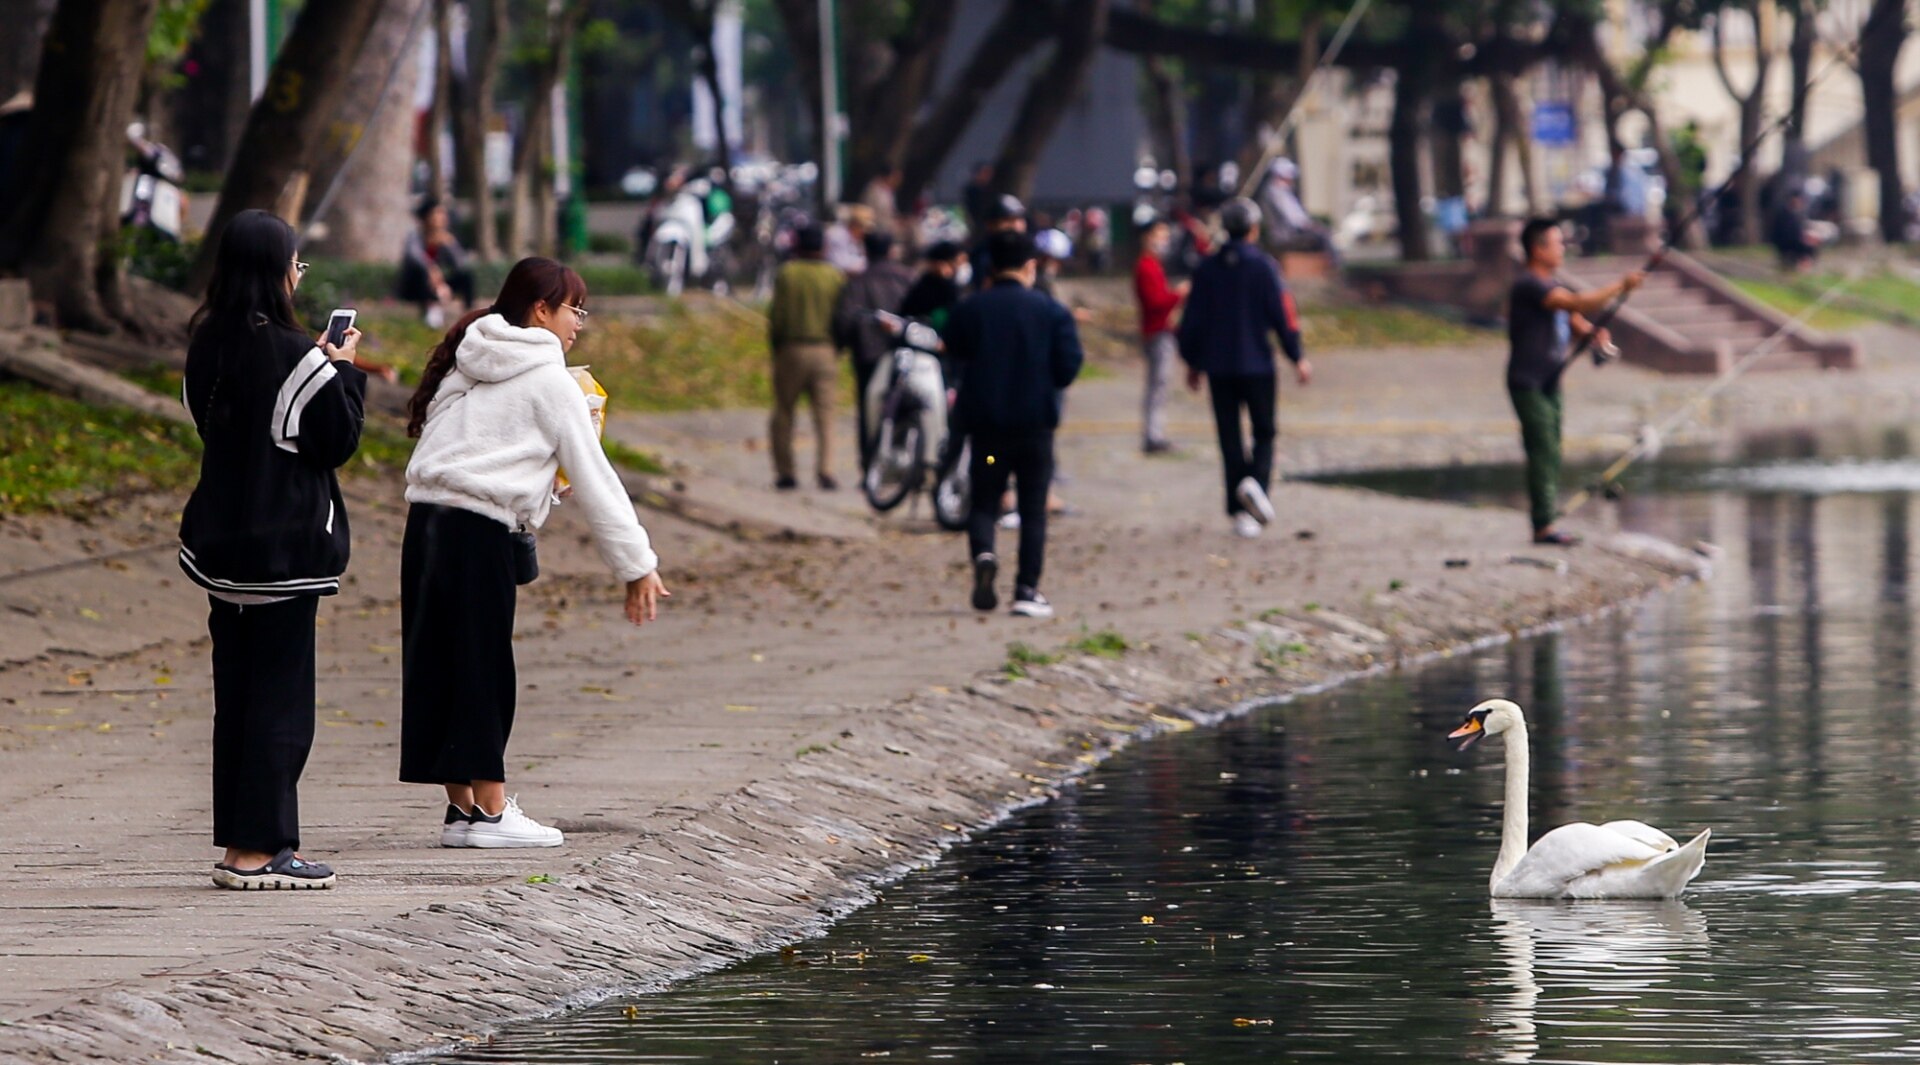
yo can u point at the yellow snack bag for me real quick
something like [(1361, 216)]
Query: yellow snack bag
[(596, 406)]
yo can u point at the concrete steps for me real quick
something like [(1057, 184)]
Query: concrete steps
[(1687, 319)]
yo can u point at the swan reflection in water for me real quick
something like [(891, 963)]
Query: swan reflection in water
[(1582, 958)]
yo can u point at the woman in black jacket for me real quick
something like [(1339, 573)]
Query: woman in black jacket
[(265, 533)]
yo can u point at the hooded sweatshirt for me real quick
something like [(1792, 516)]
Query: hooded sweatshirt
[(503, 422)]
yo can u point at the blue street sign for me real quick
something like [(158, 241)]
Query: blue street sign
[(1553, 123)]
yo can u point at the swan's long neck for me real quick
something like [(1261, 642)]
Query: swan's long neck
[(1513, 832)]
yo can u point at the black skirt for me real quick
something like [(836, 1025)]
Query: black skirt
[(456, 616)]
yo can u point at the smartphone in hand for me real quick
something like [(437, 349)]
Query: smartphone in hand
[(338, 323)]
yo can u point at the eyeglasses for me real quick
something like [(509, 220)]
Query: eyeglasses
[(578, 312), (300, 268)]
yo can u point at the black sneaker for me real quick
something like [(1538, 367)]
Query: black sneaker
[(985, 568), (785, 484), (1029, 603), (828, 483), (286, 870)]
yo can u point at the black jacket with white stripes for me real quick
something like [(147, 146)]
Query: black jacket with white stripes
[(278, 418)]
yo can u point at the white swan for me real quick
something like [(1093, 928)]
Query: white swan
[(1617, 860)]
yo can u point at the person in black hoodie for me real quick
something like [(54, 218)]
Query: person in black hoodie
[(265, 533), (1015, 351)]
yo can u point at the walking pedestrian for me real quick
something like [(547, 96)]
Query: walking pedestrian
[(800, 332), (1005, 214), (498, 416), (1237, 301), (880, 288), (1016, 351), (265, 534), (1158, 301), (1542, 315)]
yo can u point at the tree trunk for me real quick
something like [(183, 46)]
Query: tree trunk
[(884, 109), (1445, 132), (1881, 37), (20, 48), (524, 228), (57, 231), (802, 21), (1274, 93), (710, 73), (1751, 104), (1167, 115), (363, 171), (303, 91), (1049, 96), (473, 116), (1793, 143), (1403, 148), (439, 179), (1019, 29)]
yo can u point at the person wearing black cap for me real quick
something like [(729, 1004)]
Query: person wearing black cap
[(880, 287), (1015, 351), (1005, 215), (1236, 303), (939, 287)]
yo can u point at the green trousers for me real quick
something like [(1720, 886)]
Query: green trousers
[(1540, 434)]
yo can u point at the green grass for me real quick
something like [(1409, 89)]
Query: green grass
[(690, 356), (1793, 299), (57, 454), (1340, 324), (1106, 643), (1021, 655)]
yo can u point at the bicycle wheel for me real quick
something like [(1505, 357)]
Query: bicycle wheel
[(897, 465)]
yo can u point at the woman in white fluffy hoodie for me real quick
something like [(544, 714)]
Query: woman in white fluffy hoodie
[(497, 415)]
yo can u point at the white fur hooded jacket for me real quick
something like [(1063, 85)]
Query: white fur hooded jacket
[(503, 422)]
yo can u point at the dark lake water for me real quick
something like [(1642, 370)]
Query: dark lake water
[(1309, 882)]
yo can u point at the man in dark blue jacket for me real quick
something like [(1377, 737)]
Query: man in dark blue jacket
[(1014, 350), (1236, 303)]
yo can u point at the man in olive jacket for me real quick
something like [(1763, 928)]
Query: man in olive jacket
[(800, 331)]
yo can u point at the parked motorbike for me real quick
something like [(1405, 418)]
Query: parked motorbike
[(150, 193), (907, 410), (685, 241)]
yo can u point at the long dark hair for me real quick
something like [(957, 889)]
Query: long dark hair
[(248, 293), (250, 275), (532, 280)]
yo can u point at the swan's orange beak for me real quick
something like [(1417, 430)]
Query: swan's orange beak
[(1470, 732)]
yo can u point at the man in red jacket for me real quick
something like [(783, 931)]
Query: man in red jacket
[(1158, 301)]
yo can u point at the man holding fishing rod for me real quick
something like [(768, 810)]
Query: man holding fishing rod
[(1543, 315)]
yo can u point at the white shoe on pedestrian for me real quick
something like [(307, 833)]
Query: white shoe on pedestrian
[(1029, 603), (1010, 520), (1254, 498), (1244, 525), (510, 828), (455, 826)]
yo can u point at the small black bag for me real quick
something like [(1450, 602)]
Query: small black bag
[(526, 556)]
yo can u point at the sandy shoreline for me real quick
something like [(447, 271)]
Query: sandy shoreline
[(812, 718)]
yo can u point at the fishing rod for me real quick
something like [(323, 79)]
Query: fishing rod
[(1650, 436), (1686, 221), (1277, 141)]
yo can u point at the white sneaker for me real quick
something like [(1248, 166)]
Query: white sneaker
[(1245, 526), (454, 828), (1254, 498), (1029, 603), (510, 828), (1010, 520)]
